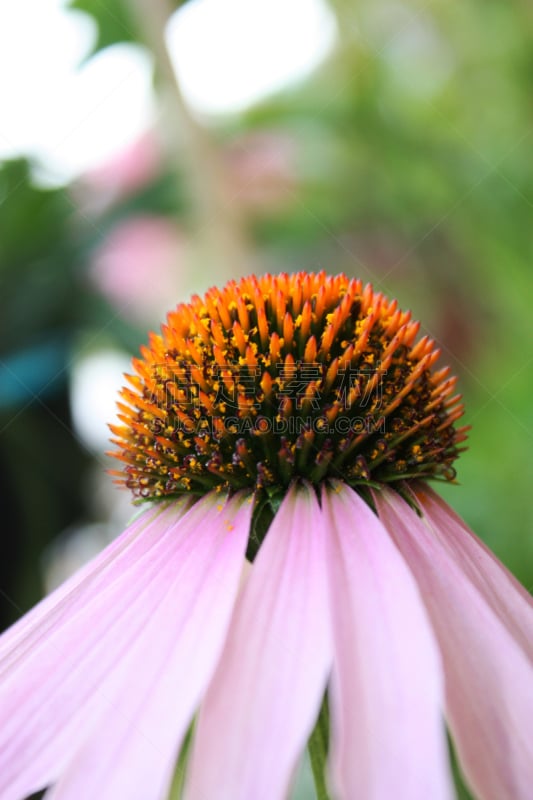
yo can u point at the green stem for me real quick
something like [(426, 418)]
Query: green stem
[(318, 751), (220, 226), (178, 781)]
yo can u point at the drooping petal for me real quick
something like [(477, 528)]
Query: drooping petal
[(158, 686), (505, 595), (489, 680), (81, 584), (263, 701), (54, 674), (388, 734), (66, 701)]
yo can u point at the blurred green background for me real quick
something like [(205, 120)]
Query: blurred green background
[(403, 158)]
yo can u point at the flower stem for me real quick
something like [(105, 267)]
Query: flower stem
[(318, 751), (178, 781), (220, 227)]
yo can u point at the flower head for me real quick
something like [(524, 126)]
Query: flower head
[(293, 420), (283, 377)]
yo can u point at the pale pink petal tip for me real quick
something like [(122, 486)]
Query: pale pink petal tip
[(480, 620), (388, 735), (505, 595), (264, 699), (99, 689)]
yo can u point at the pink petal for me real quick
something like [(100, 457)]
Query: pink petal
[(158, 685), (489, 680), (506, 596), (388, 734), (51, 680), (83, 583), (57, 691), (267, 690)]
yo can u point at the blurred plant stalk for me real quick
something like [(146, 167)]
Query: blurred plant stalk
[(219, 227)]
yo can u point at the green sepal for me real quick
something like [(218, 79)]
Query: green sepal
[(266, 506)]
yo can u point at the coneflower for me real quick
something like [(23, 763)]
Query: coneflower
[(291, 422)]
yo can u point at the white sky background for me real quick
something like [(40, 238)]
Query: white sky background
[(228, 54)]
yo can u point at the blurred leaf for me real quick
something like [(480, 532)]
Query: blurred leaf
[(115, 21), (45, 211), (38, 266)]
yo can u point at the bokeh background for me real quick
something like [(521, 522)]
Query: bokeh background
[(149, 149)]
